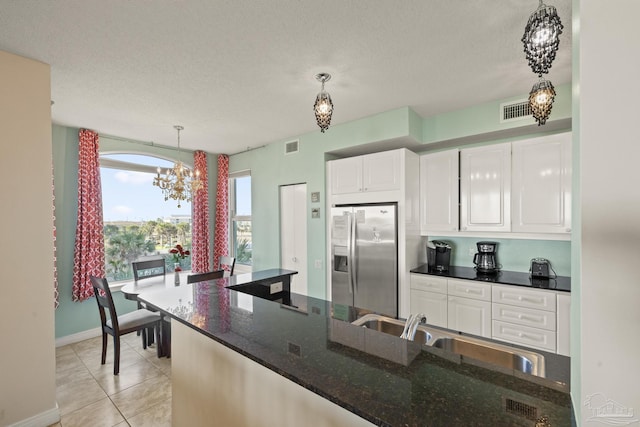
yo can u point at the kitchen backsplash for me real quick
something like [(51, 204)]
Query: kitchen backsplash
[(513, 254)]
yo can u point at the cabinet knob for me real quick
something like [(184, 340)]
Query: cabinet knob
[(294, 259), (568, 230)]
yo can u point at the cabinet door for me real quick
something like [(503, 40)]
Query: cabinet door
[(485, 188), (346, 175), (439, 192), (381, 171), (469, 315), (541, 179), (431, 304)]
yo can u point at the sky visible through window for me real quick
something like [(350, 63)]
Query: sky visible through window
[(131, 196)]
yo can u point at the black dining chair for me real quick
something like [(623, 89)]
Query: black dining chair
[(227, 264), (201, 277), (147, 269), (117, 326)]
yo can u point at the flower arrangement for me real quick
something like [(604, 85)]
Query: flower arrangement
[(178, 253)]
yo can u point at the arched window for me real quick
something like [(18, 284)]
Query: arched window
[(138, 222)]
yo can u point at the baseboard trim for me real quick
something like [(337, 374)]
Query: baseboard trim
[(46, 418), (80, 336)]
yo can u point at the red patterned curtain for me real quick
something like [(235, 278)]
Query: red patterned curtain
[(56, 294), (221, 235), (88, 257), (200, 261)]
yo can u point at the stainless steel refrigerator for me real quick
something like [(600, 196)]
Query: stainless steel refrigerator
[(364, 257)]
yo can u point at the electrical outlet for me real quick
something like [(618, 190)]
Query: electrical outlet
[(318, 264), (274, 288)]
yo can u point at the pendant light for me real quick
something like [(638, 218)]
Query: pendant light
[(541, 100), (542, 37), (323, 107), (179, 182)]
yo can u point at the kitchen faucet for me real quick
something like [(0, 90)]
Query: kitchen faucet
[(411, 326)]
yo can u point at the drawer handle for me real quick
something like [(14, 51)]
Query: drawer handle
[(521, 334), (474, 291), (527, 299)]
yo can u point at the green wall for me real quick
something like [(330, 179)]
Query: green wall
[(74, 317), (271, 168)]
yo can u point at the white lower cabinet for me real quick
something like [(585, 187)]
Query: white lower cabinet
[(429, 297), (534, 318), (525, 316), (433, 305), (564, 315), (469, 315), (469, 307)]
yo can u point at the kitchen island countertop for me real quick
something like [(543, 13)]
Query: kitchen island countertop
[(300, 340)]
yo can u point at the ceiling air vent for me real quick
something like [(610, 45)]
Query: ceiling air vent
[(291, 147), (516, 110)]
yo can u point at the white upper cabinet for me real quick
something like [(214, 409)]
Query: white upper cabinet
[(485, 188), (439, 192), (346, 175), (541, 201), (371, 172)]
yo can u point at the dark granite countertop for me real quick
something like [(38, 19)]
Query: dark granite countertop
[(301, 340), (559, 283)]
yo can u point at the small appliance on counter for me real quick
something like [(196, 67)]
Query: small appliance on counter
[(438, 255), (485, 259), (541, 269)]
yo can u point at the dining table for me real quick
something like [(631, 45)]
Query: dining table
[(274, 284), (148, 286)]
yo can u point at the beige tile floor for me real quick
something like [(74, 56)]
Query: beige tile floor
[(89, 394)]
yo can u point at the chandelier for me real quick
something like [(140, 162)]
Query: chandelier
[(323, 106), (541, 100), (542, 37), (179, 182)]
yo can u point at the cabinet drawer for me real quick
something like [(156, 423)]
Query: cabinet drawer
[(469, 289), (514, 295), (426, 282), (525, 316), (524, 335)]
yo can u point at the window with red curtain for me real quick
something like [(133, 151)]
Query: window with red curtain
[(200, 254), (88, 257), (221, 235)]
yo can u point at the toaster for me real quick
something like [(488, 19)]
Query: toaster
[(540, 268)]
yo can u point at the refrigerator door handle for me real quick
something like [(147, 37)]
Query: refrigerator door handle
[(353, 280), (349, 254)]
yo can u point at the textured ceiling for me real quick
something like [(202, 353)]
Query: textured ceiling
[(240, 73)]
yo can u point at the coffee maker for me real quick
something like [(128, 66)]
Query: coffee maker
[(438, 255), (485, 259)]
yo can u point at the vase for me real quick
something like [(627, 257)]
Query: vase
[(176, 269)]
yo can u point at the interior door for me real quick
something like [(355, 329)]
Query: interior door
[(293, 234)]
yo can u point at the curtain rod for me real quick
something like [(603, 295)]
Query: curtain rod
[(146, 143), (247, 150)]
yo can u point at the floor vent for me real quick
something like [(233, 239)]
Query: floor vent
[(520, 409), (516, 110), (291, 147)]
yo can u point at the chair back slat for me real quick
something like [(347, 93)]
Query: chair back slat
[(201, 277), (104, 299), (148, 268)]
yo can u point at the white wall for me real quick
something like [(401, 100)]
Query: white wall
[(27, 352), (608, 92)]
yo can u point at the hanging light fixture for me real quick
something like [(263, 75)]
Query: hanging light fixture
[(541, 100), (179, 182), (323, 106), (542, 37)]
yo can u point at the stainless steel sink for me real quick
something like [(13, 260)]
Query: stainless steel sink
[(470, 347), (510, 358), (390, 326)]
